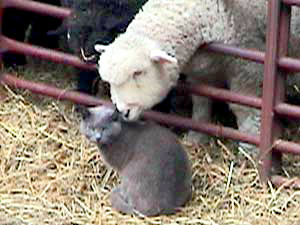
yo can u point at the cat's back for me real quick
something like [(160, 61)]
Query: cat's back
[(158, 152), (154, 136), (159, 173)]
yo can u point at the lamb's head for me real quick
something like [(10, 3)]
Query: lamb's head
[(140, 76), (100, 124)]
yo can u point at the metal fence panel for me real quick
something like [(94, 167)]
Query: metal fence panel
[(272, 103)]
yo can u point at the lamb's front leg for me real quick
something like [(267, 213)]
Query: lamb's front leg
[(204, 68), (201, 112), (248, 120), (247, 80)]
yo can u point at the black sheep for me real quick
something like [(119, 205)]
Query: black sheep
[(96, 21)]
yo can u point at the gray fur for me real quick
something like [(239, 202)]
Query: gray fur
[(154, 168)]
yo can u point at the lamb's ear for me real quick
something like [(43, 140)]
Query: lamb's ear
[(100, 48), (160, 56)]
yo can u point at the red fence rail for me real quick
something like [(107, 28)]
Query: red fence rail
[(272, 103)]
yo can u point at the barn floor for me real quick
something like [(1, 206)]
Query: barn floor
[(50, 174)]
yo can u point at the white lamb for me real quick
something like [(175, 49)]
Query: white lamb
[(143, 64)]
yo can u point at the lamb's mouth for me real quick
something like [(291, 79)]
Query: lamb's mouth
[(124, 115), (131, 115), (130, 111)]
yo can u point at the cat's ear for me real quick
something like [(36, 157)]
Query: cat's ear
[(83, 111), (100, 110)]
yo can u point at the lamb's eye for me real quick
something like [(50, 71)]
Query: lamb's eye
[(137, 74)]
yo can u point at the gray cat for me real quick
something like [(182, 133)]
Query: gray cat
[(154, 169)]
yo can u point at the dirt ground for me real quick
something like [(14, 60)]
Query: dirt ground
[(50, 174)]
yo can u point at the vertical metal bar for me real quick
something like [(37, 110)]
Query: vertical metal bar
[(270, 80), (284, 34), (1, 16)]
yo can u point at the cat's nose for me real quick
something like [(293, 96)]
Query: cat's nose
[(98, 138)]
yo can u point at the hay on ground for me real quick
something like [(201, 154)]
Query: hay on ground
[(50, 174)]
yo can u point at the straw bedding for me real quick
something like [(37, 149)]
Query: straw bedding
[(50, 174)]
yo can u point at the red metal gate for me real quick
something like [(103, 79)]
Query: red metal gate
[(272, 103)]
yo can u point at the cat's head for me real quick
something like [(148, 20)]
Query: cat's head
[(101, 124)]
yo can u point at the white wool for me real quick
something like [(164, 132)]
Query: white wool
[(177, 27)]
